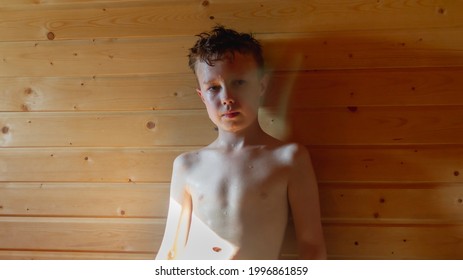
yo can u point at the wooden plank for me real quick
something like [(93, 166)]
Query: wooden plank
[(388, 164), (378, 203), (377, 125), (364, 49), (331, 163), (381, 87), (305, 51), (158, 128), (86, 19), (141, 200), (394, 242), (343, 241), (94, 57), (88, 165), (30, 4), (47, 255), (351, 125), (393, 202), (81, 234), (163, 92)]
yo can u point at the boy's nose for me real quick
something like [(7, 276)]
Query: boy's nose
[(227, 98), (228, 101)]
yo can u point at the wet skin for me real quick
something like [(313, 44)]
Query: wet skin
[(233, 196)]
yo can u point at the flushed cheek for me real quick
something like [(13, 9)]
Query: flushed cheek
[(214, 114), (213, 110), (213, 102)]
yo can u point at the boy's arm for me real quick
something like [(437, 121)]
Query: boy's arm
[(179, 215), (305, 207)]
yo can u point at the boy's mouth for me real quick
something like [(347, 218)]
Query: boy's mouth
[(231, 114)]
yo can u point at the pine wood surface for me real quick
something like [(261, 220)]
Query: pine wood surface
[(350, 125), (166, 18), (332, 164), (87, 93), (71, 255), (81, 234), (127, 200), (304, 51), (96, 101), (151, 128), (87, 164), (377, 203), (384, 87)]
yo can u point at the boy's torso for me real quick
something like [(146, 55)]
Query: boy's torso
[(242, 197)]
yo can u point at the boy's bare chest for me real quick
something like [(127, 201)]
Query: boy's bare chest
[(230, 183)]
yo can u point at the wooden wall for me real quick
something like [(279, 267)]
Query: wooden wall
[(96, 100)]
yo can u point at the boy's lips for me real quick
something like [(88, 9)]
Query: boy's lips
[(231, 114)]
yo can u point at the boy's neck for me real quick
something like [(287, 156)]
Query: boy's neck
[(250, 136)]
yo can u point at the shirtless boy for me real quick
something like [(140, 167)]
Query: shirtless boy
[(231, 199)]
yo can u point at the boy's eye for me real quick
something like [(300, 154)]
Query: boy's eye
[(239, 82), (214, 89)]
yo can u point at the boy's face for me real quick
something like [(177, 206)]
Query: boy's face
[(231, 91)]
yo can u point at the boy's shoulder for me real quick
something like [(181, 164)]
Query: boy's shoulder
[(286, 152), (186, 159), (292, 153), (291, 149)]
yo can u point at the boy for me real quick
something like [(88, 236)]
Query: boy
[(231, 199)]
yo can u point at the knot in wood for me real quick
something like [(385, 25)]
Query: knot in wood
[(50, 36), (150, 125), (28, 91)]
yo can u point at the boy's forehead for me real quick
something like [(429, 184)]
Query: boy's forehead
[(236, 64)]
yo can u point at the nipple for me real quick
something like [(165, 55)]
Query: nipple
[(216, 249)]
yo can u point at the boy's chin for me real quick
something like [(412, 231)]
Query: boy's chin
[(233, 126), (230, 128)]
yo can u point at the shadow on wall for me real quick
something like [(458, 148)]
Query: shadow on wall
[(382, 121)]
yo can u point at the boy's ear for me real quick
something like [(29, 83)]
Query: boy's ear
[(200, 94)]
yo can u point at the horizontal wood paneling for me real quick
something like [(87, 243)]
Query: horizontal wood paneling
[(394, 241), (81, 234), (166, 18), (386, 241), (307, 51), (425, 203), (96, 101), (94, 57), (383, 87), (141, 236), (366, 49), (350, 125), (147, 200), (383, 125), (340, 164), (387, 87), (31, 4), (106, 129), (66, 255), (392, 203), (88, 165), (125, 93), (388, 164)]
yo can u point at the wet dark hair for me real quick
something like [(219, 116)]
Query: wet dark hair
[(213, 46)]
